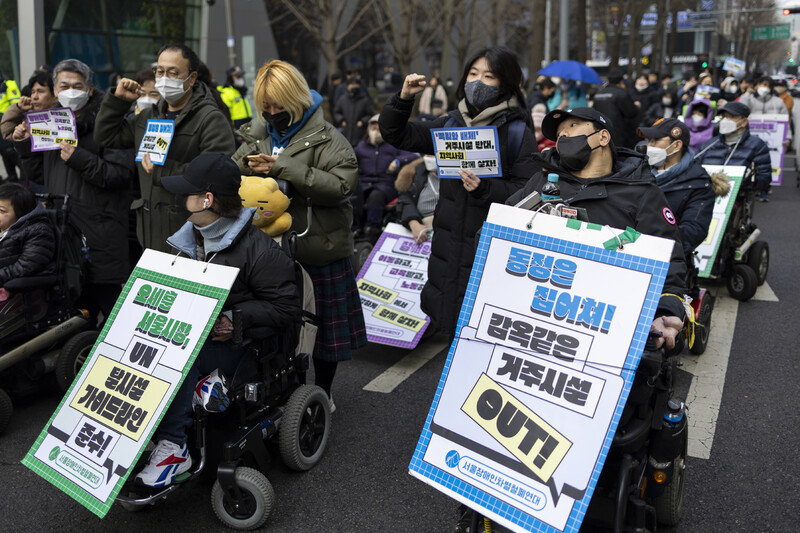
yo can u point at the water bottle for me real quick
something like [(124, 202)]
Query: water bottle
[(674, 414), (666, 444), (551, 191)]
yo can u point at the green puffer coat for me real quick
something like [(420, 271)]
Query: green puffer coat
[(321, 165), (200, 127)]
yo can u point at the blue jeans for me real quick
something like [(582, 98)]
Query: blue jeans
[(222, 355)]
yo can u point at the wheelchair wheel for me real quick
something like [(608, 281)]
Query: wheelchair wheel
[(742, 282), (703, 327), (72, 356), (669, 505), (256, 505), (304, 428), (758, 260), (6, 410), (360, 255)]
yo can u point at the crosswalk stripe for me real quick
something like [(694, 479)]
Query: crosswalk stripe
[(393, 376)]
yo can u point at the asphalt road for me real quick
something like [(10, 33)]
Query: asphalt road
[(747, 482)]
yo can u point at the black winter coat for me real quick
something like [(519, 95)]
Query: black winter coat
[(691, 199), (750, 150), (265, 289), (615, 103), (352, 111), (459, 214), (626, 197), (98, 181), (29, 247)]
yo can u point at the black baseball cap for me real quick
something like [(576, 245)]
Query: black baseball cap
[(557, 116), (669, 127), (735, 109), (215, 173)]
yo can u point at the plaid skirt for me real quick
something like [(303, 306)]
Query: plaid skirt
[(342, 326)]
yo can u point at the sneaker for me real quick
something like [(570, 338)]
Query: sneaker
[(331, 404), (167, 461)]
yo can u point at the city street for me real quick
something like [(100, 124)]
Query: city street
[(742, 397)]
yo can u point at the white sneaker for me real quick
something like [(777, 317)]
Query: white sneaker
[(331, 404), (167, 461)]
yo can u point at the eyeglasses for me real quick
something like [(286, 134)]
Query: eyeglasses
[(171, 73)]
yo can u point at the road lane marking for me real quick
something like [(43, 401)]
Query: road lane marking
[(765, 294), (708, 381), (401, 370)]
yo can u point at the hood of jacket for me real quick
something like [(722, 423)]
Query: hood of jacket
[(706, 122), (283, 140), (184, 239), (39, 214)]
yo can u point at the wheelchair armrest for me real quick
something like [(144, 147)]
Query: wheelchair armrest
[(30, 283), (285, 187)]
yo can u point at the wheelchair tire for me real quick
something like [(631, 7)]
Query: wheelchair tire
[(742, 282), (703, 327), (72, 356), (360, 255), (304, 429), (6, 410), (669, 505), (758, 260), (260, 500)]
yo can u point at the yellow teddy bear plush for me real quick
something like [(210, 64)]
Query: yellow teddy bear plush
[(263, 193)]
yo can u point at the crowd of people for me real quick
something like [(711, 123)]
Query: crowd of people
[(630, 153)]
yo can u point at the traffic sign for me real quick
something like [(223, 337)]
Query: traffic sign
[(766, 33)]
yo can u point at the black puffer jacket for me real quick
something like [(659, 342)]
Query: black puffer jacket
[(615, 103), (98, 181), (265, 288), (459, 214), (626, 197), (691, 199), (29, 247)]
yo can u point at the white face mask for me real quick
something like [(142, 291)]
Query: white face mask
[(731, 88), (73, 99), (171, 89), (698, 119), (763, 91), (375, 137), (727, 125), (430, 163), (238, 82), (656, 156), (667, 102), (144, 102), (641, 88)]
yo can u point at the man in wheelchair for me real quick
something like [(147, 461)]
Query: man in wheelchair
[(219, 230)]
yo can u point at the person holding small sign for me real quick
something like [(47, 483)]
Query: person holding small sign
[(97, 179), (489, 95), (219, 230), (197, 126), (615, 187)]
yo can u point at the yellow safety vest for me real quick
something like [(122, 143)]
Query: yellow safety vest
[(11, 96), (238, 105)]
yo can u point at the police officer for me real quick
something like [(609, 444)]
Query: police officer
[(234, 94)]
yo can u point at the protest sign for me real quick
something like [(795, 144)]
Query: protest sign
[(50, 127), (390, 283), (706, 251), (736, 66), (159, 323), (554, 322), (705, 91), (473, 149), (773, 130), (156, 141)]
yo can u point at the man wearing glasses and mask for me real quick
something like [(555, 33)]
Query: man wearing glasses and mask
[(199, 127), (616, 188)]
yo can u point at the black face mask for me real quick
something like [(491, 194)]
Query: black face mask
[(575, 151), (355, 92), (278, 121)]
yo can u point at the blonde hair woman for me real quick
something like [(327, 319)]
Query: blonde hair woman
[(290, 140)]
